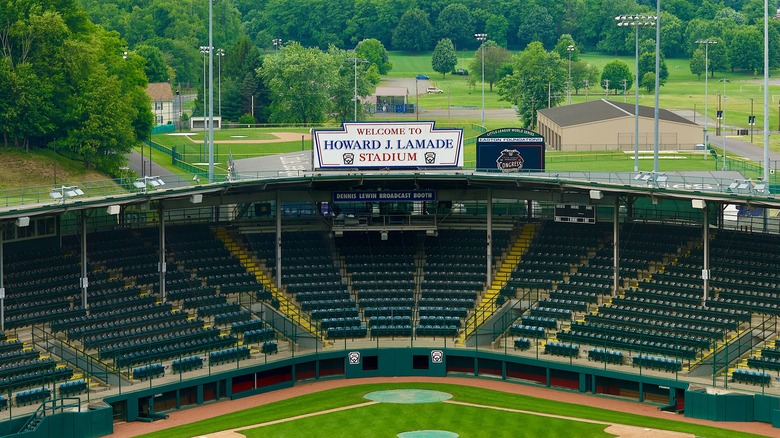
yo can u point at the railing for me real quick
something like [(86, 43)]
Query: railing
[(50, 407)]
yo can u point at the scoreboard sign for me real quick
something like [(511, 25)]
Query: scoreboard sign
[(510, 150), (578, 214), (368, 145)]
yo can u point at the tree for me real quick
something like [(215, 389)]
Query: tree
[(496, 26), (582, 74), (155, 68), (414, 31), (373, 51), (444, 58), (455, 23), (562, 48), (697, 63), (742, 51), (536, 24), (614, 73), (648, 82), (495, 59), (647, 64), (298, 80), (539, 79)]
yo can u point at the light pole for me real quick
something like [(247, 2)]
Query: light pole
[(657, 81), (204, 50), (766, 97), (277, 42), (569, 48), (355, 97), (417, 100), (482, 37), (636, 21), (220, 54), (706, 43), (211, 92), (723, 122)]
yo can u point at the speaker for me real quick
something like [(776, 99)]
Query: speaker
[(23, 221), (698, 203)]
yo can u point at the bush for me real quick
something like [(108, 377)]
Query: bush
[(246, 119)]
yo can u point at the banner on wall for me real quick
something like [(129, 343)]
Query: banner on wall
[(510, 150), (387, 145)]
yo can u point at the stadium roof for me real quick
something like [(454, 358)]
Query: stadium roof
[(553, 187), (602, 110)]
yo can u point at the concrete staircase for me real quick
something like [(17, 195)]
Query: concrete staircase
[(486, 306), (286, 306)]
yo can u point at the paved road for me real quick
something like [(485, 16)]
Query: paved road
[(134, 163)]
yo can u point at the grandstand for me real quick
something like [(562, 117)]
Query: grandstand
[(266, 282)]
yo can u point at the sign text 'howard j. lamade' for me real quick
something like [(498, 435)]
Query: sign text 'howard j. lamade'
[(388, 145)]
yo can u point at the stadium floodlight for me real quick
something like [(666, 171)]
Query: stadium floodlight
[(636, 21), (59, 194), (22, 221), (734, 185), (744, 185), (144, 182), (638, 176), (596, 194)]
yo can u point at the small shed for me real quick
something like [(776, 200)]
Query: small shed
[(392, 100)]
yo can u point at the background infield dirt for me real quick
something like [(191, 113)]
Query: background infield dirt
[(190, 415)]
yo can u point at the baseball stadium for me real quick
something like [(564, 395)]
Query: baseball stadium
[(382, 289)]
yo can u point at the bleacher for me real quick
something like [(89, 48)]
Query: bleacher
[(382, 274), (312, 275)]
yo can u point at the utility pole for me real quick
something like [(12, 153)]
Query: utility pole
[(587, 88), (606, 89), (625, 85)]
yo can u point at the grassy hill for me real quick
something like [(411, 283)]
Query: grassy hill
[(36, 168)]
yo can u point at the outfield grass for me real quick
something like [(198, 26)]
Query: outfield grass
[(391, 419), (683, 90)]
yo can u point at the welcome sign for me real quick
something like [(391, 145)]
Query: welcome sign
[(368, 145)]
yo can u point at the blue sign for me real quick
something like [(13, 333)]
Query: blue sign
[(385, 196), (510, 150)]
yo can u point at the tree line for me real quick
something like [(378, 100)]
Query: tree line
[(68, 83)]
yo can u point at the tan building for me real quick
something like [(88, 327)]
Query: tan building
[(162, 102), (608, 125)]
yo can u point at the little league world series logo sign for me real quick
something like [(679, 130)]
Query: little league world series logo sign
[(363, 145), (353, 357)]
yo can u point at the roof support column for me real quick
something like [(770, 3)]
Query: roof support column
[(705, 273), (278, 240), (84, 281), (2, 285), (489, 237), (616, 247), (162, 266)]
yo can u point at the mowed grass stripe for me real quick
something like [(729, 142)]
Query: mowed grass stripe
[(353, 395), (388, 420)]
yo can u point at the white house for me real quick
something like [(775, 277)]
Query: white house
[(162, 102)]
